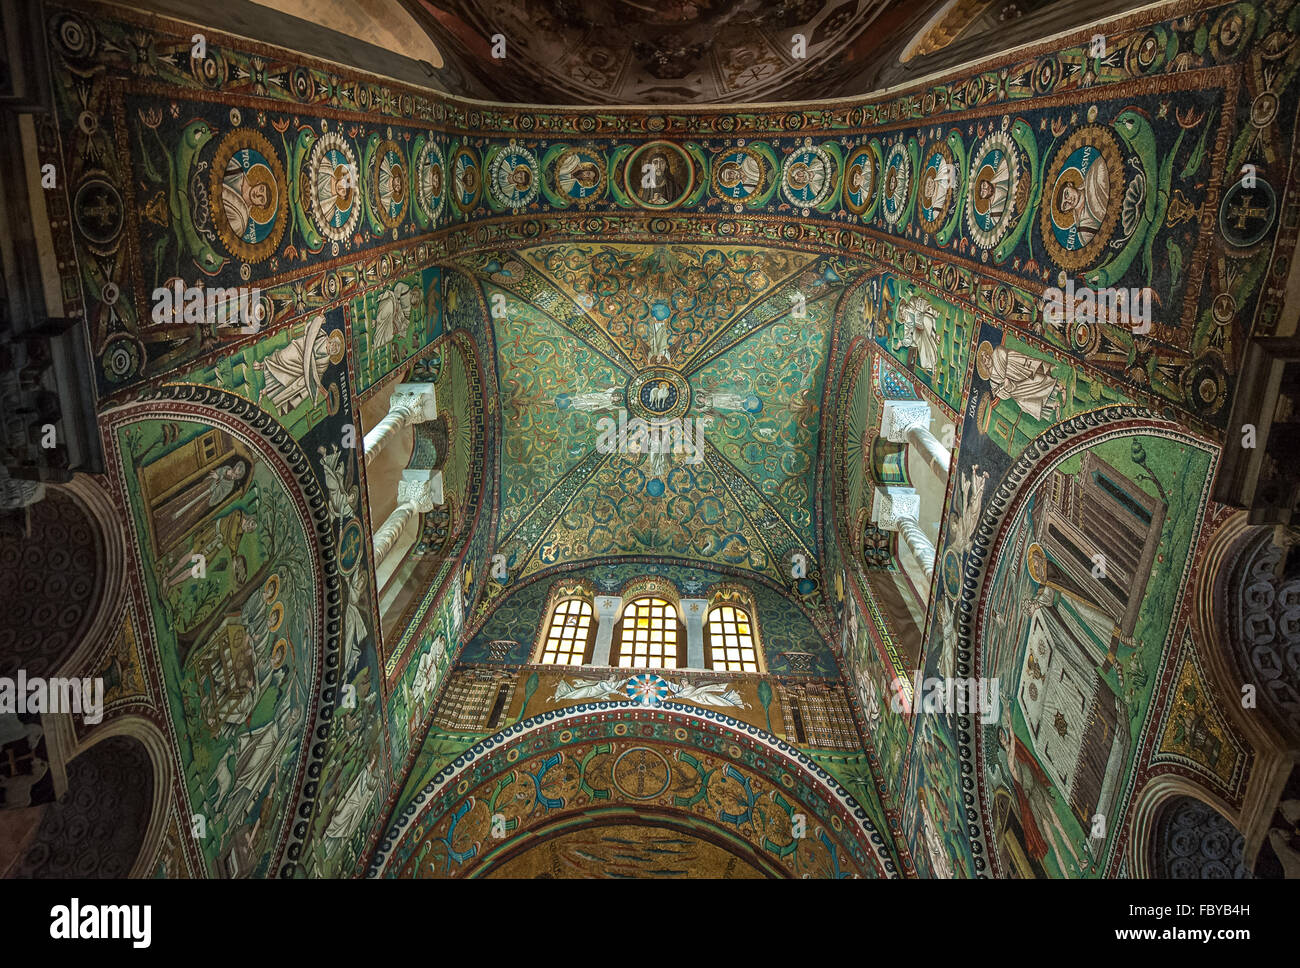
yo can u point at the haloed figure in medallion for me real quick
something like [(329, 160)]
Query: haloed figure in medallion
[(659, 185), (1079, 203), (739, 177), (577, 177), (248, 198)]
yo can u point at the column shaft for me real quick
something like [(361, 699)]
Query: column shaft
[(935, 454), (410, 403), (607, 609), (693, 615), (919, 544), (384, 431), (386, 536)]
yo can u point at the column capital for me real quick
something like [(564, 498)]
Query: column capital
[(900, 416), (420, 488), (607, 606), (19, 493), (892, 505), (693, 609), (417, 401)]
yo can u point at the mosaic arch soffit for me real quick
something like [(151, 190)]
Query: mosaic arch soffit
[(580, 739)]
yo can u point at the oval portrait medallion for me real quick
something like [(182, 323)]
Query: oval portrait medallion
[(896, 184), (465, 181), (807, 177), (739, 174), (249, 198), (994, 189), (514, 177), (330, 187), (860, 174), (579, 174), (937, 186), (389, 183), (430, 181), (1083, 193), (659, 175)]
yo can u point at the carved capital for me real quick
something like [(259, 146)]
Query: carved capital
[(890, 506), (900, 416), (416, 402), (608, 606), (18, 493), (422, 489)]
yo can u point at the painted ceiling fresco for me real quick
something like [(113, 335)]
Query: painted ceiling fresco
[(761, 268), (676, 52)]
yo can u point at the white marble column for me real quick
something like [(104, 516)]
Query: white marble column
[(908, 422), (607, 612), (897, 509), (418, 492), (693, 612), (411, 403)]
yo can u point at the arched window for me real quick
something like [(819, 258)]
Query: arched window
[(731, 640), (571, 634), (648, 635)]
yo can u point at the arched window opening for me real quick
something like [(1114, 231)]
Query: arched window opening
[(648, 635), (731, 640), (570, 635)]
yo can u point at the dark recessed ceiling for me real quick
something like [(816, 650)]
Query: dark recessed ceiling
[(668, 51)]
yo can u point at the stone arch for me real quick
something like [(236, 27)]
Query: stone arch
[(110, 821), (1240, 575), (1109, 754), (66, 578), (1151, 810), (1248, 606), (1192, 840)]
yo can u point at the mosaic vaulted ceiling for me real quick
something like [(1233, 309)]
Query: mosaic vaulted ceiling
[(928, 221), (729, 340)]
